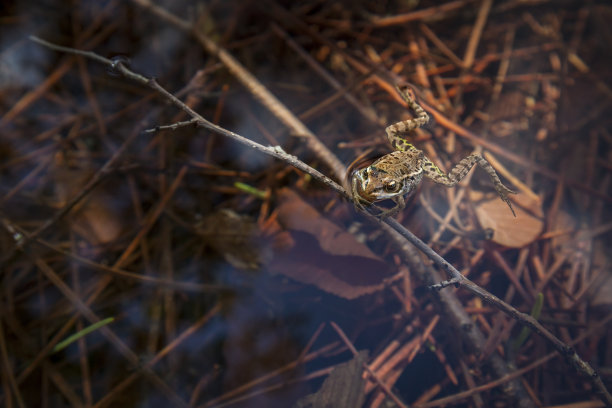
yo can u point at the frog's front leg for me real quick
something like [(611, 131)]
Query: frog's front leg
[(400, 204), (462, 168), (358, 201)]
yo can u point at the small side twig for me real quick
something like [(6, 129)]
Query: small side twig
[(173, 126)]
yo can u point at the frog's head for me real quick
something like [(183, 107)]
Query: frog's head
[(372, 183)]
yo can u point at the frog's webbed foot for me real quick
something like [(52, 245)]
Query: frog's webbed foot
[(503, 192)]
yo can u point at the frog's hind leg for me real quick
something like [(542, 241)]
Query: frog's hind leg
[(398, 132), (462, 168)]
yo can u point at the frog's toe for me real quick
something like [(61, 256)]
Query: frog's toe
[(503, 191), (508, 191), (507, 200)]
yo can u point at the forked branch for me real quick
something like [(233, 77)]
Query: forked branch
[(456, 278)]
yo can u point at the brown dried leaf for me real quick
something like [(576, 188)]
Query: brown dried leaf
[(297, 215), (346, 277), (96, 221), (508, 230), (324, 255)]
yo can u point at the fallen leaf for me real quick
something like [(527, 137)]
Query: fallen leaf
[(347, 277), (324, 255), (297, 215), (96, 221), (510, 231)]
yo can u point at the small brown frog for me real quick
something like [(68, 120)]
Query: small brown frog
[(399, 173)]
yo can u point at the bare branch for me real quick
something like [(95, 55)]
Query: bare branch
[(276, 151)]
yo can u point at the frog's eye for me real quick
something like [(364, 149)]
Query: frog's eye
[(391, 186)]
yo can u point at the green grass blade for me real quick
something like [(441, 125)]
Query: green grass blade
[(251, 190), (71, 339), (536, 310)]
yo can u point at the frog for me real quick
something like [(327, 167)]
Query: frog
[(399, 173)]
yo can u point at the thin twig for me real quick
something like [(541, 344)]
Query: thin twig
[(423, 14), (8, 371), (256, 88), (481, 19), (568, 352)]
